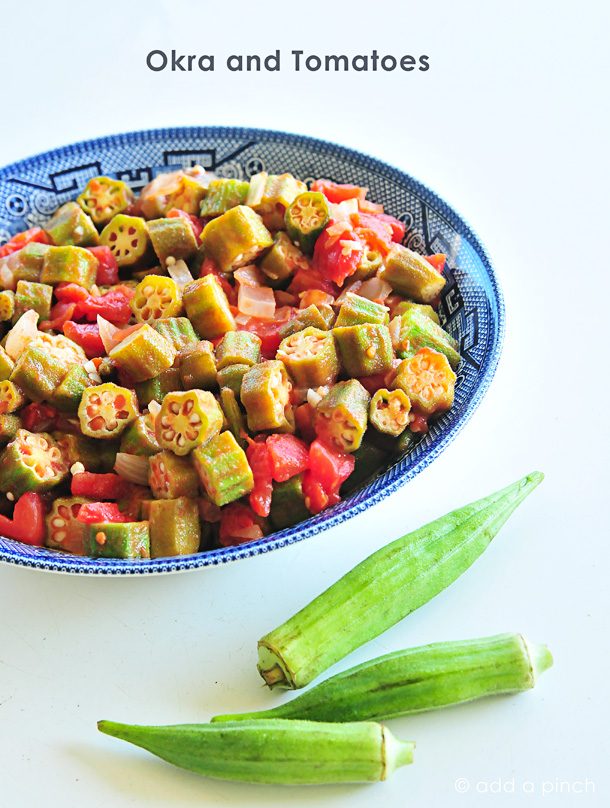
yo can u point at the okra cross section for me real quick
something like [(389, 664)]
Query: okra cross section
[(64, 531), (106, 410), (127, 238), (187, 419), (311, 357), (103, 198), (171, 476), (341, 417), (155, 298), (389, 411), (427, 380), (306, 218), (31, 462)]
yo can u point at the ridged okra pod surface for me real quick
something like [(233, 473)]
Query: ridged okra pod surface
[(71, 226), (409, 274), (385, 588), (281, 752)]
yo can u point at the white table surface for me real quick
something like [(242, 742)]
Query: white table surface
[(510, 126)]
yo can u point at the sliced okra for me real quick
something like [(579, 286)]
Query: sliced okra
[(232, 377), (70, 225), (233, 415), (187, 420), (265, 393), (156, 297), (207, 307), (173, 527), (198, 366), (370, 264), (64, 531), (235, 239), (282, 260), (356, 310), (31, 295), (31, 462), (118, 540), (6, 365), (406, 305), (127, 238), (104, 197), (369, 461), (306, 218), (67, 395), (389, 411), (95, 456), (38, 373), (406, 441), (170, 476), (270, 195), (310, 357), (30, 262), (364, 350), (222, 195), (188, 194), (416, 330), (106, 410), (223, 469), (409, 274), (172, 238), (317, 316), (139, 438), (288, 503), (9, 424), (158, 387), (61, 348), (143, 354), (340, 418), (238, 348), (7, 305), (428, 381), (167, 190), (12, 397), (179, 332), (69, 264)]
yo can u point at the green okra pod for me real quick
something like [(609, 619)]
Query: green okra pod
[(235, 239), (231, 377), (127, 239), (306, 218), (104, 197), (155, 389), (282, 752), (321, 317), (7, 305), (341, 417), (198, 366), (118, 540), (32, 295), (223, 469), (356, 310), (271, 194), (207, 306), (409, 274), (222, 195), (172, 238), (70, 225), (416, 330), (364, 350), (417, 680), (173, 527), (69, 264), (282, 260), (310, 357), (143, 354), (265, 393), (385, 588), (179, 332), (238, 348)]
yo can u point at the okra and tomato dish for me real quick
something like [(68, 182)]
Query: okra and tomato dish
[(209, 362)]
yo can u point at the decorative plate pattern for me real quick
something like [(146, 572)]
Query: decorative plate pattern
[(471, 309)]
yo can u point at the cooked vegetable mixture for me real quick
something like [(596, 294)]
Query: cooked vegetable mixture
[(208, 362)]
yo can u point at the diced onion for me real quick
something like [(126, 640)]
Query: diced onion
[(315, 297), (354, 286), (283, 313), (7, 276), (21, 334), (132, 467), (313, 398), (375, 289), (257, 301), (180, 273), (341, 211), (242, 319), (107, 333), (394, 329), (250, 276)]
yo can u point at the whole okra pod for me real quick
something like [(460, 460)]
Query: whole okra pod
[(385, 588), (282, 752), (417, 680)]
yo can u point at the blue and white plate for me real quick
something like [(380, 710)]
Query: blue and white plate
[(471, 309)]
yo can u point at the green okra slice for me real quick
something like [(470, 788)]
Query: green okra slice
[(233, 415), (416, 330), (428, 380), (143, 354), (288, 503), (31, 462), (406, 305), (173, 238), (385, 588), (340, 418), (282, 260), (310, 357), (222, 195), (224, 472), (173, 527), (9, 424), (198, 366), (155, 389), (418, 680), (356, 310), (95, 456), (389, 411), (235, 239), (12, 397), (171, 477), (187, 420), (103, 198), (118, 540), (271, 194), (207, 307), (64, 531), (31, 295), (139, 437), (265, 394), (70, 226), (232, 378), (127, 238), (370, 459), (31, 261), (406, 441), (7, 305), (106, 410), (38, 373), (319, 316), (306, 218), (409, 274), (179, 332), (370, 264), (283, 752), (156, 297), (6, 365), (67, 395), (238, 348), (188, 194), (364, 350), (69, 264), (176, 189)]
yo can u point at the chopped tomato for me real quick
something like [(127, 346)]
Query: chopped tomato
[(437, 261), (336, 192), (100, 512), (98, 486), (19, 241), (87, 336), (107, 267), (419, 423), (373, 383), (113, 306), (337, 252), (27, 524), (238, 525), (316, 498), (303, 416), (267, 330), (398, 228), (305, 280), (208, 512), (289, 456), (61, 312), (330, 466), (195, 221), (259, 459), (71, 292), (38, 417), (209, 267)]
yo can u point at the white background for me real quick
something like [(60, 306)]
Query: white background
[(510, 126)]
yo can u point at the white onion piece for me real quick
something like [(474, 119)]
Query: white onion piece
[(21, 334), (320, 298), (132, 467), (394, 329), (354, 286), (154, 408), (180, 273), (257, 301), (340, 212), (283, 313), (313, 398), (242, 319), (250, 276), (7, 276), (375, 289), (107, 333)]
